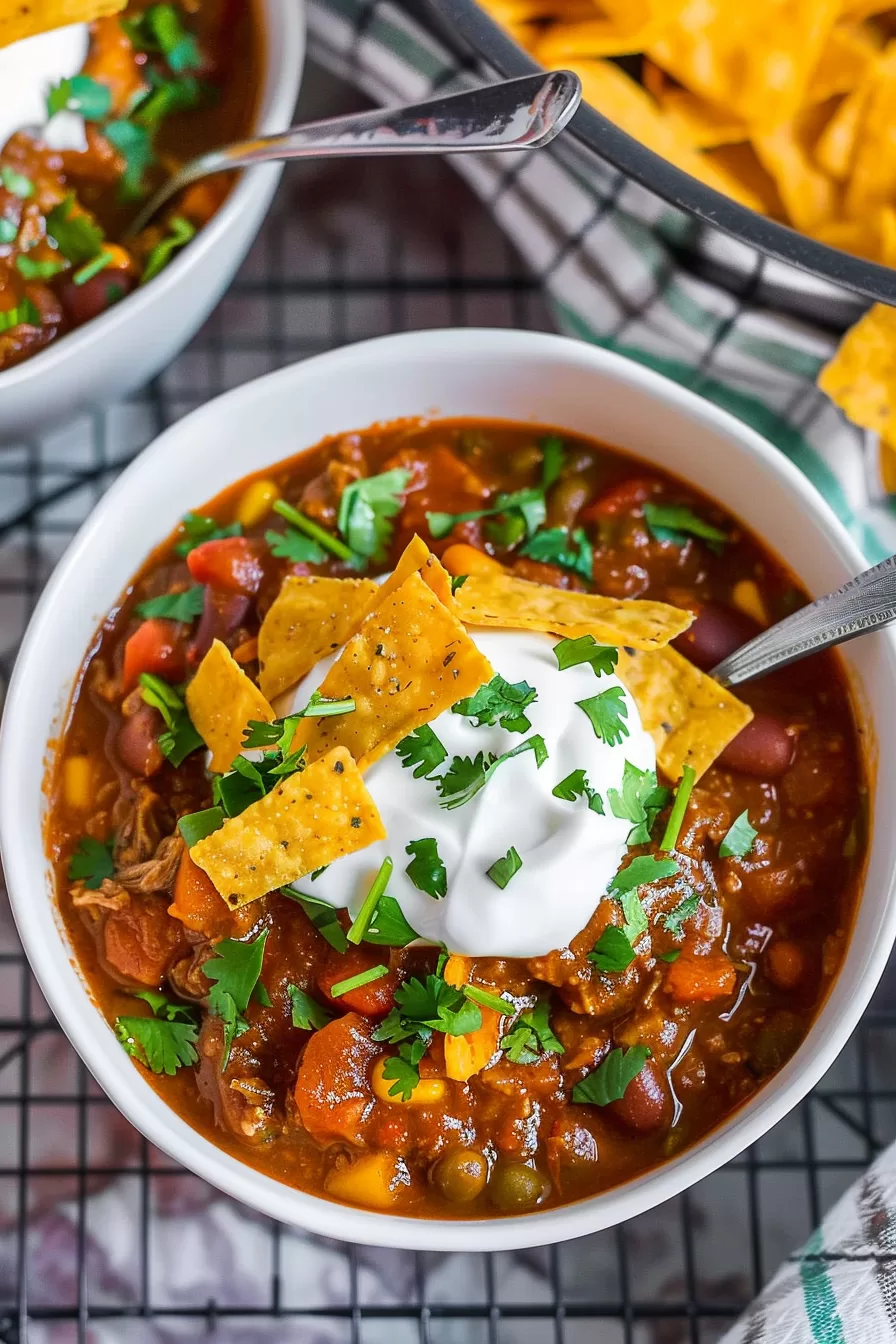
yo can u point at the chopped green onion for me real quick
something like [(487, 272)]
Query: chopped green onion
[(358, 981), (486, 1000), (361, 923), (93, 267), (313, 530), (679, 807)]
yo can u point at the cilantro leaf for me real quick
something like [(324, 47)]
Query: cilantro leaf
[(642, 870), (134, 144), (676, 522), (465, 777), (553, 459), (91, 862), (180, 737), (235, 969), (575, 785), (431, 1004), (671, 955), (423, 750), (403, 1069), (609, 1080), (557, 546), (196, 528), (739, 840), (294, 546), (160, 29), (389, 928), (613, 952), (323, 916), (606, 713), (502, 870), (528, 503), (180, 232), (9, 232), (23, 313), (457, 580), (570, 652), (195, 826), (17, 183), (307, 1014), (685, 908), (499, 701), (75, 233), (184, 606), (635, 919), (639, 801), (163, 1042), (29, 269), (80, 94), (366, 510), (426, 869), (531, 1036)]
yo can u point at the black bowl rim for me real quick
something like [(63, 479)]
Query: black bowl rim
[(488, 40)]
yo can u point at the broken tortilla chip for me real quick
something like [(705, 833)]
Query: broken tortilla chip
[(690, 717), (25, 18), (221, 700), (861, 377), (503, 602), (410, 660), (320, 814), (310, 618), (417, 558)]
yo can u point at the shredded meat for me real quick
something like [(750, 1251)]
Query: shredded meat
[(109, 896), (321, 496), (156, 874), (243, 1102), (186, 975), (137, 826)]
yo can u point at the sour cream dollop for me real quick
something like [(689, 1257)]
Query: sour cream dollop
[(28, 70), (569, 853)]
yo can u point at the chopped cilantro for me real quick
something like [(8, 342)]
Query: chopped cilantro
[(389, 928), (528, 503), (322, 915), (17, 183), (465, 777), (676, 522), (134, 144), (671, 955), (91, 862), (424, 1006), (609, 1080), (195, 826), (639, 801), (80, 94), (553, 458), (294, 546), (613, 952), (575, 785), (24, 312), (499, 701), (570, 652), (688, 906), (160, 29), (29, 269), (606, 713), (422, 750), (633, 913), (502, 870), (180, 232), (235, 970), (557, 546), (739, 840), (403, 1069), (195, 529), (457, 580), (75, 233), (306, 1012), (679, 807), (426, 869), (317, 533), (361, 922), (506, 531), (164, 1042), (531, 1036), (165, 97), (358, 981), (642, 870), (184, 606), (9, 232), (180, 737), (366, 510)]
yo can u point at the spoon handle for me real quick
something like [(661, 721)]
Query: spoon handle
[(513, 114), (865, 603)]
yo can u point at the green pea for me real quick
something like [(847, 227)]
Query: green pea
[(514, 1187), (460, 1176)]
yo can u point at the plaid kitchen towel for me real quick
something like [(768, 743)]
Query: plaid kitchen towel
[(606, 251)]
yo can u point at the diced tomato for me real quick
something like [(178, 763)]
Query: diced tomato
[(620, 499), (375, 999), (156, 647), (232, 563)]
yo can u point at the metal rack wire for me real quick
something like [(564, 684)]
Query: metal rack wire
[(101, 1237)]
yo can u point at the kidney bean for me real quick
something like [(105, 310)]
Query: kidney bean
[(716, 632), (137, 742), (764, 748), (222, 613), (84, 302), (647, 1104)]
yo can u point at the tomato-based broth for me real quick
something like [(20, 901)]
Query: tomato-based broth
[(547, 934)]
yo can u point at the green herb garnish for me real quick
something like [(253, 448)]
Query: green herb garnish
[(92, 862), (684, 910), (465, 777), (457, 580), (531, 1036), (78, 237), (29, 269), (9, 232), (322, 915), (499, 701), (426, 869), (557, 546), (676, 522), (91, 268), (184, 606), (361, 922), (366, 510), (607, 712), (180, 737), (195, 826), (739, 840), (235, 970), (164, 1042), (180, 232), (307, 1013), (17, 183), (196, 529), (403, 1070), (679, 807), (639, 801), (641, 871), (612, 1076), (389, 928), (575, 785), (570, 652), (422, 750), (358, 981), (81, 94), (317, 533), (294, 546), (613, 951), (23, 313), (502, 870), (529, 504), (485, 999), (160, 29), (553, 458)]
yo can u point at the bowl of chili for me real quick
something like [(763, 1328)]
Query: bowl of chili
[(318, 1062), (86, 313)]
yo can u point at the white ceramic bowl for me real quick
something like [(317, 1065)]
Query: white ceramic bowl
[(125, 347), (515, 375)]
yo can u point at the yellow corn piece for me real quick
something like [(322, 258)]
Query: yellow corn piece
[(466, 1055), (428, 1092), (255, 502), (747, 598), (376, 1180), (77, 778)]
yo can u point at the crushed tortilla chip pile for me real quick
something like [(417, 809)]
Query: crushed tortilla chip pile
[(25, 18), (788, 106)]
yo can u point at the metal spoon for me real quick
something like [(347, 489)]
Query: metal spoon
[(865, 603), (513, 114)]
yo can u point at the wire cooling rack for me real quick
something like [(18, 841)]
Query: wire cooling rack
[(102, 1238)]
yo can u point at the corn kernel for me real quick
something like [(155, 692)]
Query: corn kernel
[(428, 1092), (747, 598), (255, 502), (77, 776), (376, 1179)]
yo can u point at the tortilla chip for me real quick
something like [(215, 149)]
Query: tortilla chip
[(410, 660), (312, 818), (861, 377), (754, 59), (740, 164), (417, 558), (689, 715), (24, 18), (626, 27), (507, 603), (310, 618), (787, 153), (872, 180), (704, 125), (221, 700), (835, 146), (873, 237)]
